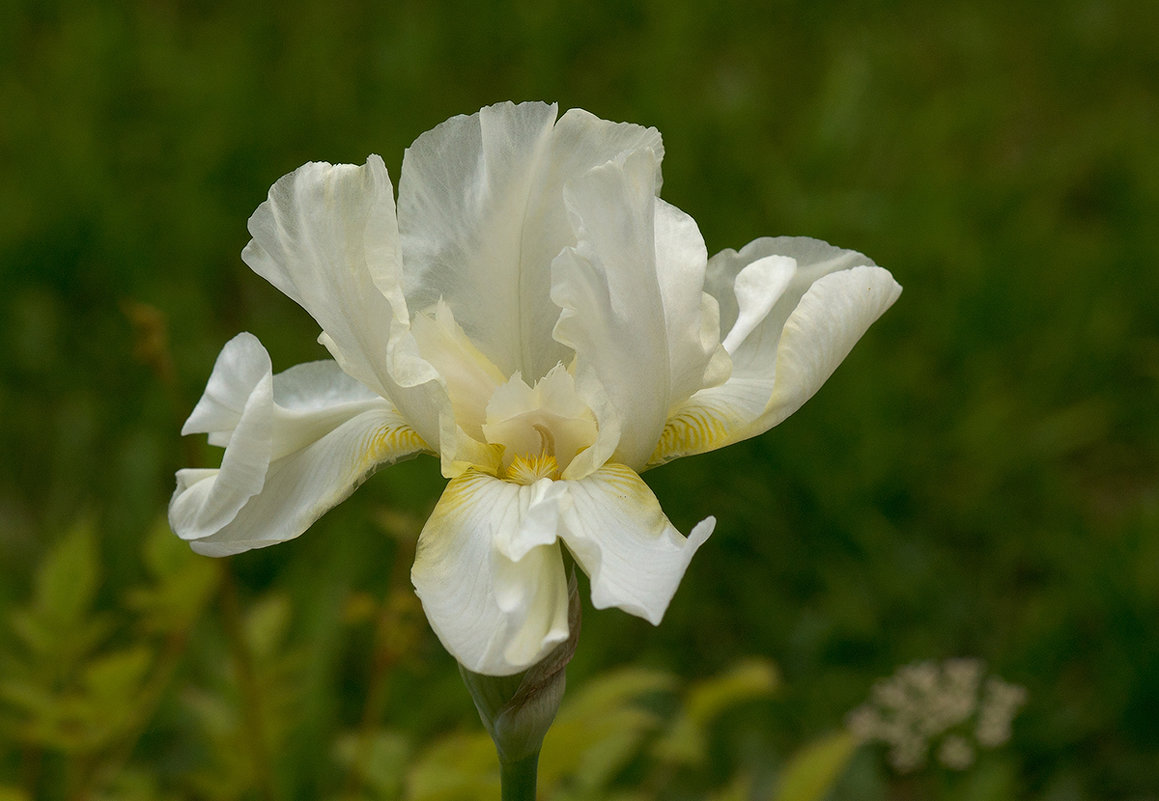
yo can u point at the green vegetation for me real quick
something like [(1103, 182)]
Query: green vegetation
[(980, 478)]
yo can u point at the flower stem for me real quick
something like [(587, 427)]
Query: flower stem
[(517, 779)]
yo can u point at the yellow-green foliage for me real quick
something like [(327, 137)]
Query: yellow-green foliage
[(86, 694), (80, 686)]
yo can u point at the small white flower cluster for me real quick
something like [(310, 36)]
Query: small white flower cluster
[(946, 707)]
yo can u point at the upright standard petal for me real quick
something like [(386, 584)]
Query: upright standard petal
[(482, 215), (490, 574), (328, 238), (579, 142), (633, 307), (619, 535), (303, 440), (463, 198), (793, 308)]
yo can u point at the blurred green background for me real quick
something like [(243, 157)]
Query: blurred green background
[(980, 478)]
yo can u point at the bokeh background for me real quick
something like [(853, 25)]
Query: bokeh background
[(980, 478)]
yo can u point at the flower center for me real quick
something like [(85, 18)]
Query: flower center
[(540, 428), (527, 469)]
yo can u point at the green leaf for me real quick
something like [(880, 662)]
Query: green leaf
[(459, 767), (812, 771), (686, 740), (380, 761), (600, 729), (746, 681), (116, 678), (182, 583), (67, 580)]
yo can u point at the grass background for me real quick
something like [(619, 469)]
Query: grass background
[(981, 477)]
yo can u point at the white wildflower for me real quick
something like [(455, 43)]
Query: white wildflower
[(942, 707)]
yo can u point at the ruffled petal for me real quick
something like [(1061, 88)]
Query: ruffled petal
[(298, 488), (490, 574), (469, 376), (328, 238), (297, 443), (463, 198), (836, 311), (760, 286), (242, 364), (579, 142), (793, 309), (633, 307), (237, 411), (482, 216), (696, 358), (619, 535)]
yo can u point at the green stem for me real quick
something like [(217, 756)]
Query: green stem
[(517, 778)]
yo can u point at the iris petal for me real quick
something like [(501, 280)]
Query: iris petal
[(619, 535), (327, 238), (490, 574), (302, 441), (634, 310), (482, 216), (795, 307)]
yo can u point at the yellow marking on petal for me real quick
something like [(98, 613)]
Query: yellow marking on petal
[(457, 497), (528, 468), (694, 428), (391, 441), (627, 483)]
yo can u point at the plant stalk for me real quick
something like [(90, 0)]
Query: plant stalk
[(517, 779)]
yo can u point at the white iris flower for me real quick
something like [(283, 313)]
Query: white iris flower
[(534, 315)]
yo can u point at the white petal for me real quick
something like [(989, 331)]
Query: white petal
[(482, 216), (632, 300), (490, 574), (240, 366), (296, 490), (239, 412), (312, 399), (795, 307), (328, 238), (621, 538), (757, 289), (760, 280), (691, 317), (272, 426), (836, 311), (469, 376), (463, 197), (579, 142)]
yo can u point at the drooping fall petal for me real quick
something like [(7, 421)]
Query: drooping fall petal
[(489, 572), (619, 535)]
